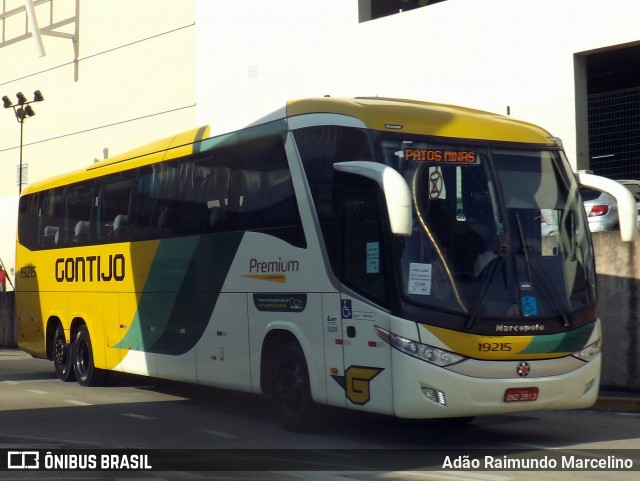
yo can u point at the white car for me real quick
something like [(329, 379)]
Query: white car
[(602, 209)]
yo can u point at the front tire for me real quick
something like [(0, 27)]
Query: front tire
[(62, 356), (291, 390), (86, 372)]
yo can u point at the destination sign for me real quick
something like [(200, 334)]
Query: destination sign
[(439, 155)]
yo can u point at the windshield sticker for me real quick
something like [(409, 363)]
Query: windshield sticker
[(364, 316), (529, 306), (373, 257), (280, 302), (437, 189), (436, 155), (420, 279)]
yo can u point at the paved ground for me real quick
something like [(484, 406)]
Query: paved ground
[(618, 401)]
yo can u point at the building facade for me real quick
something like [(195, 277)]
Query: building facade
[(116, 74)]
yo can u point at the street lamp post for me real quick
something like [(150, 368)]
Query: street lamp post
[(22, 111)]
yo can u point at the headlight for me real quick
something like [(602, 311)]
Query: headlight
[(431, 354), (589, 352)]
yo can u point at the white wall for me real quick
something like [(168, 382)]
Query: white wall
[(295, 47), (486, 54)]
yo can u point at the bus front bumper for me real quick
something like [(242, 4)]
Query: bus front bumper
[(423, 390)]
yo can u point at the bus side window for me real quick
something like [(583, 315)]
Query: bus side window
[(261, 193), (51, 220), (113, 202), (30, 228), (79, 222), (211, 192), (362, 261), (320, 147), (143, 210), (151, 214)]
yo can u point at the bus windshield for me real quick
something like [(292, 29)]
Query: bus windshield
[(497, 232)]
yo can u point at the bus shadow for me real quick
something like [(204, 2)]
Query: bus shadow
[(549, 428)]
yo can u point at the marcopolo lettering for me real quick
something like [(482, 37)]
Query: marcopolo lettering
[(90, 268)]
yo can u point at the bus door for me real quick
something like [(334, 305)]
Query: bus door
[(367, 359), (333, 347)]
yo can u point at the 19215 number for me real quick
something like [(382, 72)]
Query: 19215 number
[(494, 346)]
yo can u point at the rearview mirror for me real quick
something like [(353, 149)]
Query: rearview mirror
[(395, 188), (627, 210)]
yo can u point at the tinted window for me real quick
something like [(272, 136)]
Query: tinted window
[(362, 259), (236, 182), (320, 147), (113, 201), (79, 225), (589, 194)]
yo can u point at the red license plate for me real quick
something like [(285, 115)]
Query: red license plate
[(520, 394)]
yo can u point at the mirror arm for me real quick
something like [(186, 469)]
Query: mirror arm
[(627, 209), (395, 188)]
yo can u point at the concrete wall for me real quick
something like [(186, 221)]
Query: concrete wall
[(7, 320), (618, 267)]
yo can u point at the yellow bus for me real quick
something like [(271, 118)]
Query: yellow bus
[(392, 256)]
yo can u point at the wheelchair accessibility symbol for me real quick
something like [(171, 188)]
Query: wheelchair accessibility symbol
[(529, 306), (347, 312)]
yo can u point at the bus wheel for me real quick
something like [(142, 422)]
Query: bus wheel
[(83, 366), (62, 356), (291, 391)]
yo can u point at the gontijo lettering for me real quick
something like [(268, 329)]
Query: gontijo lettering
[(90, 268)]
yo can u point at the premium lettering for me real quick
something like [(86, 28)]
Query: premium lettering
[(266, 267), (90, 268)]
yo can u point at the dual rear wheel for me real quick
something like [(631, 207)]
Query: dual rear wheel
[(74, 360)]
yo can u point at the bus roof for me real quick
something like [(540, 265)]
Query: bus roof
[(417, 117), (170, 147), (383, 114)]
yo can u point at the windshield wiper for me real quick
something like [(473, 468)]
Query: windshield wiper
[(533, 271), (487, 279)]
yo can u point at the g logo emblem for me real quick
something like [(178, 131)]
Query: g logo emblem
[(356, 383)]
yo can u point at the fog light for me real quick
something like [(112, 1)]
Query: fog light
[(434, 395)]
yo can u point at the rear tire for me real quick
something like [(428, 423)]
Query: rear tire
[(86, 372), (62, 356), (291, 390)]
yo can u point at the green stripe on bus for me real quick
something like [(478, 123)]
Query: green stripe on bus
[(570, 341), (180, 293)]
